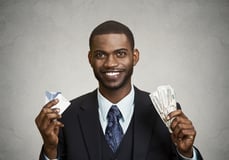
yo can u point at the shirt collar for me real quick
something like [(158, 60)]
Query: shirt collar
[(125, 105)]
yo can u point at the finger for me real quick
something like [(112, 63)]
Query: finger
[(188, 133), (175, 114), (51, 103), (179, 121), (174, 139), (184, 141), (53, 128), (183, 145), (46, 111), (58, 126), (48, 119), (183, 131)]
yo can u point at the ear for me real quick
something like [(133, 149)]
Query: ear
[(90, 57), (135, 56)]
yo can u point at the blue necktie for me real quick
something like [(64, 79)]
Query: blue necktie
[(114, 133)]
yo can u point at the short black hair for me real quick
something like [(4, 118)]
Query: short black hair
[(112, 26)]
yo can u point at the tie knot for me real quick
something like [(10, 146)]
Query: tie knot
[(114, 113)]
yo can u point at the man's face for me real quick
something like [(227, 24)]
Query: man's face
[(112, 60)]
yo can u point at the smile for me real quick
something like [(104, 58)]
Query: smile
[(112, 73)]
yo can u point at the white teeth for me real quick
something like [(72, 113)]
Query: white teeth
[(112, 73)]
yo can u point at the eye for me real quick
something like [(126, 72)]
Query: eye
[(99, 55), (121, 53)]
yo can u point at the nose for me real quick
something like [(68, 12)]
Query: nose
[(111, 61)]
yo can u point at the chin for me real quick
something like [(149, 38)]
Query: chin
[(114, 86)]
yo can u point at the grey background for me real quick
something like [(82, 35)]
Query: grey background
[(44, 45)]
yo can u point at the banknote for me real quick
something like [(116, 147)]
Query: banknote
[(164, 101), (63, 102)]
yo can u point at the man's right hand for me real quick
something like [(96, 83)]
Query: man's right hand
[(49, 126)]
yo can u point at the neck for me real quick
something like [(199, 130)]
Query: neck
[(115, 95)]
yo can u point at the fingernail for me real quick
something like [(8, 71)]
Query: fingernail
[(57, 110), (168, 118)]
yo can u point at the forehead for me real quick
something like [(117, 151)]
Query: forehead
[(110, 41)]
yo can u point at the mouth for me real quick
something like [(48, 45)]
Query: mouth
[(112, 73)]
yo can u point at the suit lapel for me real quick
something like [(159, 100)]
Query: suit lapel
[(143, 124), (89, 121)]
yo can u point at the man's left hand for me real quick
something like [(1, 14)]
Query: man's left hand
[(183, 133)]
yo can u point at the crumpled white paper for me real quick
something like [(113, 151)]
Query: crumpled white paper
[(62, 104), (164, 102)]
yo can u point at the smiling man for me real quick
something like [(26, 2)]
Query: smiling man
[(117, 120)]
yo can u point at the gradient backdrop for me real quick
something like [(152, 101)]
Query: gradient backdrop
[(44, 45)]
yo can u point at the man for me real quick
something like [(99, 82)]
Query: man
[(117, 120)]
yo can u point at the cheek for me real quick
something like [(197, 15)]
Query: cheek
[(96, 64), (128, 62)]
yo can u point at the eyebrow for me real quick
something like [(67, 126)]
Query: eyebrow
[(120, 49)]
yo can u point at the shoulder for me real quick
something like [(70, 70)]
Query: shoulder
[(84, 97), (141, 94), (140, 91)]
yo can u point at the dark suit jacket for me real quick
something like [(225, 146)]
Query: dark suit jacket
[(80, 137)]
